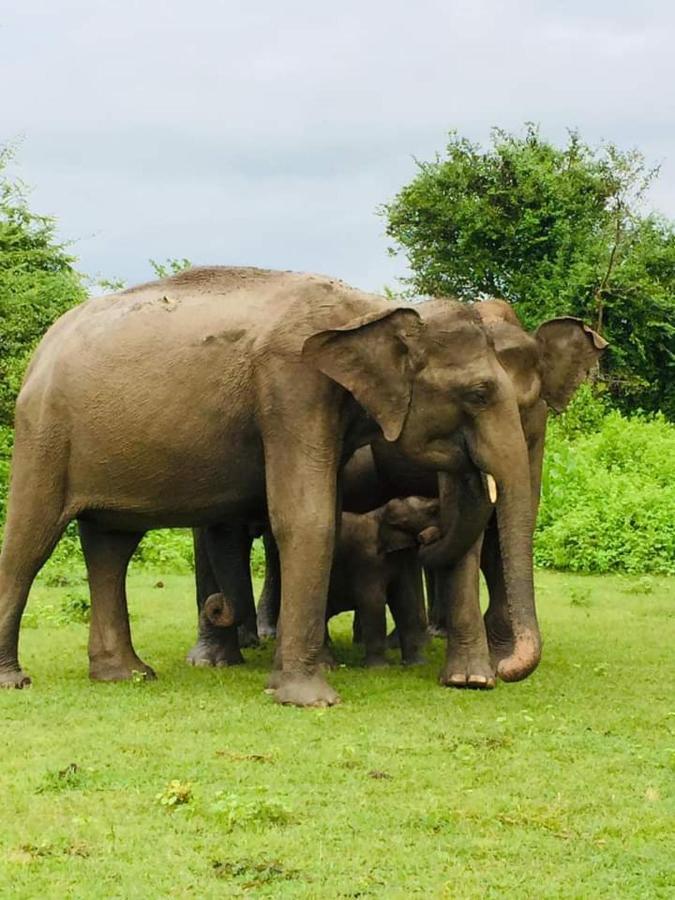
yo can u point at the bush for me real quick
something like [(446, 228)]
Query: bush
[(608, 495)]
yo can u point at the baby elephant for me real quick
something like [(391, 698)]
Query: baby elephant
[(375, 564)]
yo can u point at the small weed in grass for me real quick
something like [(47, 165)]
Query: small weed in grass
[(235, 812), (66, 779), (644, 585), (580, 596), (176, 793), (28, 853), (254, 873), (246, 757)]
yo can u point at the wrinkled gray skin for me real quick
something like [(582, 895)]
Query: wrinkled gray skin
[(230, 395), (545, 369)]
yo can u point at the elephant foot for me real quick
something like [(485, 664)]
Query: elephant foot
[(414, 659), (435, 630), (126, 669), (14, 678), (468, 667), (208, 653), (295, 689), (375, 661), (266, 632), (248, 636)]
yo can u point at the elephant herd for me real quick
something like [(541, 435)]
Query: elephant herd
[(364, 438)]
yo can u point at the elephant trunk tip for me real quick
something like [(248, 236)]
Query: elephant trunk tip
[(219, 610), (523, 660)]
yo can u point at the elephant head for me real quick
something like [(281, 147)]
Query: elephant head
[(545, 367), (434, 385), (548, 365), (408, 522)]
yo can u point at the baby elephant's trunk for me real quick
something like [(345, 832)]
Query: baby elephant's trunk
[(219, 610)]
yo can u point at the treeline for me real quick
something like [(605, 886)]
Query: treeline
[(556, 231)]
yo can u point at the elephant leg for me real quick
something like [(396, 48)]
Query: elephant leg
[(35, 522), (406, 601), (435, 604), (270, 597), (302, 501), (222, 564), (497, 618), (371, 604), (107, 554), (467, 660), (357, 629)]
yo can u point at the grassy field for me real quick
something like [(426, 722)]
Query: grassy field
[(561, 786)]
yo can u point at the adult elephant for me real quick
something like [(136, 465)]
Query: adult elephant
[(221, 395), (545, 369)]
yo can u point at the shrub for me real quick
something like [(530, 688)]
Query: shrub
[(608, 497)]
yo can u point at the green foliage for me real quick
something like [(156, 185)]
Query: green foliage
[(555, 231), (233, 811), (37, 284), (169, 550), (608, 496), (73, 608), (170, 267)]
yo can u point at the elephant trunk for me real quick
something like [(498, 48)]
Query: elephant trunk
[(515, 528), (219, 611), (499, 449)]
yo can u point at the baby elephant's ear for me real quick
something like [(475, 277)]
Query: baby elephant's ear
[(375, 358), (568, 351), (390, 538)]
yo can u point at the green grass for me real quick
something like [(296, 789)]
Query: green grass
[(557, 787)]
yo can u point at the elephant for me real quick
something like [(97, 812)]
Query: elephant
[(223, 395), (545, 369), (376, 564)]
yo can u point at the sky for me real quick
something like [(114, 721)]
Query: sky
[(267, 133)]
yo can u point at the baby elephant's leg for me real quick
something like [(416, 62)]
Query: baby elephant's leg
[(406, 601), (371, 606)]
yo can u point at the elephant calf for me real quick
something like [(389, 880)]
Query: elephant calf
[(375, 564)]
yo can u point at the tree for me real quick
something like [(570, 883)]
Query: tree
[(37, 284), (554, 230)]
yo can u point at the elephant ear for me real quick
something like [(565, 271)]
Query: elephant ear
[(390, 538), (375, 358), (568, 351)]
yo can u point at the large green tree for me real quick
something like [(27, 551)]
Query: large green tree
[(37, 284), (554, 230)]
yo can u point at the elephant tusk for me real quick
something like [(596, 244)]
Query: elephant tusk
[(491, 487)]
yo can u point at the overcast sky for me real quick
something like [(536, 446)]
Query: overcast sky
[(266, 132)]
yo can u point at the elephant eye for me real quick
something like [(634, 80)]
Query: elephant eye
[(479, 394)]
